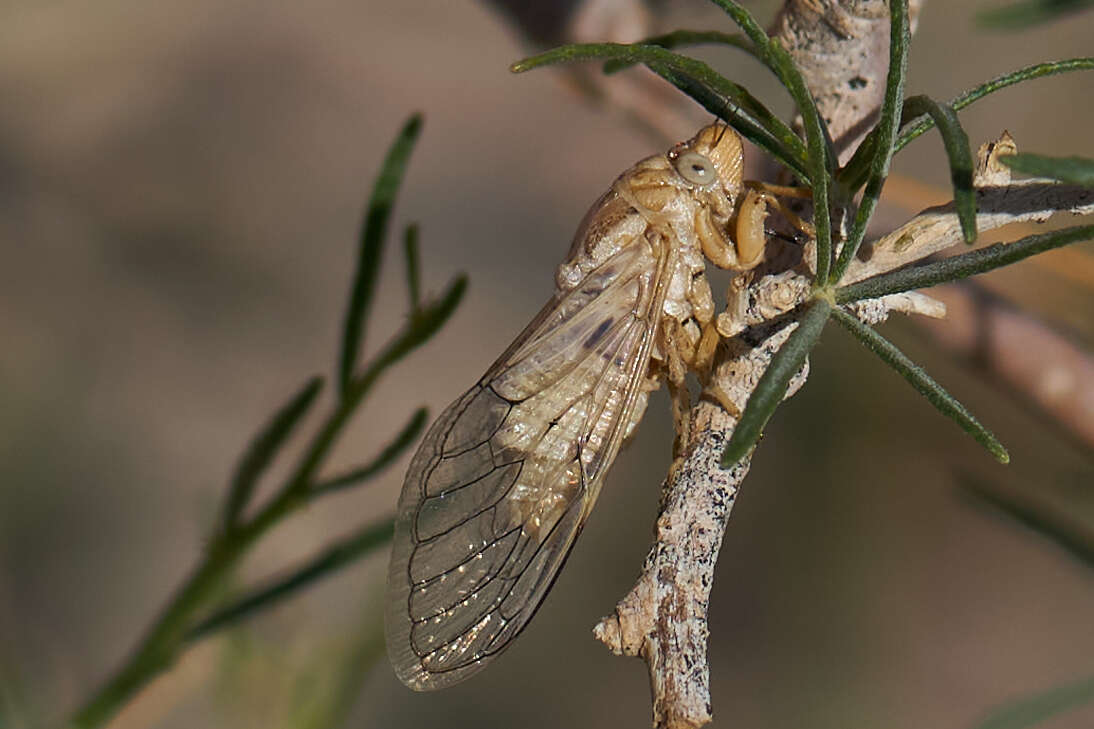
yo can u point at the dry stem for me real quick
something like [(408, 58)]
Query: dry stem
[(663, 618)]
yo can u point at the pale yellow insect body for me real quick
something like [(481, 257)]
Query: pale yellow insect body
[(503, 481)]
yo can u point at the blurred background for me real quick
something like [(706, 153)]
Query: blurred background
[(180, 189)]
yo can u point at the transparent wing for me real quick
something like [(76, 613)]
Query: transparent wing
[(504, 480)]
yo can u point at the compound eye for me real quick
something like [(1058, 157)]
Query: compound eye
[(696, 169)]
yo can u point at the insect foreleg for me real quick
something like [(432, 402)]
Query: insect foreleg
[(702, 309), (716, 244), (703, 359), (751, 236), (772, 193)]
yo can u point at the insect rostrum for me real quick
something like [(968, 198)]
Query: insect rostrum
[(504, 480)]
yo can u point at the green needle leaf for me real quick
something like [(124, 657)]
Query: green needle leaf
[(1074, 170), (956, 142), (264, 447), (683, 39), (737, 107), (413, 268), (419, 329), (274, 592), (771, 389), (958, 267), (373, 233), (917, 127), (922, 382), (406, 438), (885, 134), (1033, 710), (716, 94), (853, 175), (424, 325)]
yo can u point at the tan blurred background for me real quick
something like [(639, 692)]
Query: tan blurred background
[(180, 186)]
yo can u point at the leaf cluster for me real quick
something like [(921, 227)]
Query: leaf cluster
[(856, 186), (198, 609)]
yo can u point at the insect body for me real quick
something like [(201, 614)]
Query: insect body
[(504, 480)]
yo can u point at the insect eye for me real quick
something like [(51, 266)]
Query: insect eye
[(695, 168)]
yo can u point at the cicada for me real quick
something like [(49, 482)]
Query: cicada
[(502, 483)]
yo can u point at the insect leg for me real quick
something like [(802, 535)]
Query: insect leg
[(718, 248), (703, 359), (751, 236), (678, 352), (730, 322), (772, 193), (798, 193), (702, 309)]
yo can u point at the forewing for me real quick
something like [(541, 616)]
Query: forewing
[(504, 480)]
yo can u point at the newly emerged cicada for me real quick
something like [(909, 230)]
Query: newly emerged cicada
[(504, 480)]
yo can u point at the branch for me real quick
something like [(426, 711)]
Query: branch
[(663, 618), (938, 228), (842, 49)]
